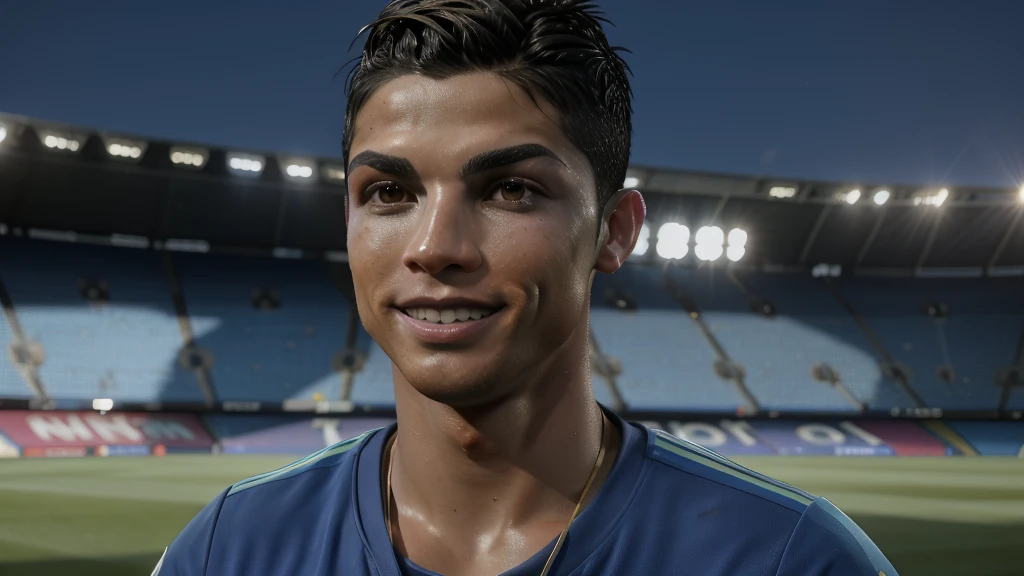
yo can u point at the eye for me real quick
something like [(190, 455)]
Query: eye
[(389, 193), (512, 191)]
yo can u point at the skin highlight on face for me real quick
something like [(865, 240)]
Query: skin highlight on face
[(465, 194)]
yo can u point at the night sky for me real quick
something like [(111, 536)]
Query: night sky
[(881, 91)]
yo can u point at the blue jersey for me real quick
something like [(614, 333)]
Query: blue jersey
[(667, 507)]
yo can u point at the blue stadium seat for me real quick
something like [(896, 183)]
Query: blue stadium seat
[(666, 362), (979, 336), (266, 355), (125, 349), (777, 352), (12, 385), (373, 385)]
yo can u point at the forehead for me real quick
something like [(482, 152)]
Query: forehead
[(428, 120)]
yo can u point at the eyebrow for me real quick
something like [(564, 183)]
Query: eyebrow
[(505, 157), (395, 165)]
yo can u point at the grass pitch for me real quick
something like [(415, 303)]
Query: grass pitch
[(930, 516)]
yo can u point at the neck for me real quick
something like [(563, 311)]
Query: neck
[(513, 464)]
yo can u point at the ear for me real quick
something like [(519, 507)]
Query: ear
[(620, 227)]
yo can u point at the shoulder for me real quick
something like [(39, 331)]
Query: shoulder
[(813, 536), (254, 511), (695, 460)]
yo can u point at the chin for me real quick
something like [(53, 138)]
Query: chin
[(461, 387)]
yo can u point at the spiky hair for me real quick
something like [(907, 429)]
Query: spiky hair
[(552, 49)]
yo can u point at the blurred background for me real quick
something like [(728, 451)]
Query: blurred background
[(829, 287)]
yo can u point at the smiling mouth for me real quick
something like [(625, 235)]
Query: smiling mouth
[(448, 315)]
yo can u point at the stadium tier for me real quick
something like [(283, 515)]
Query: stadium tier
[(98, 322), (271, 327), (137, 325), (665, 362), (952, 336)]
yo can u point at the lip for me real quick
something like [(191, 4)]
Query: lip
[(455, 332), (444, 303)]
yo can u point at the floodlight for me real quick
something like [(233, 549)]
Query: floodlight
[(934, 199), (333, 173), (102, 404), (851, 197), (673, 241), (298, 169), (710, 235), (782, 192), (1020, 193), (3, 132), (734, 253), (188, 157), (709, 252), (124, 148), (643, 242), (737, 238), (60, 141), (881, 197), (631, 182), (246, 164)]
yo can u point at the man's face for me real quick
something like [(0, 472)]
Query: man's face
[(472, 233)]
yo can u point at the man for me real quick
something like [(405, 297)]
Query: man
[(486, 141)]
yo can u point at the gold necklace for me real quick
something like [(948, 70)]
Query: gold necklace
[(561, 536)]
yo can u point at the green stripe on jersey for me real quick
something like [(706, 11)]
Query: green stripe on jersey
[(742, 474), (296, 466)]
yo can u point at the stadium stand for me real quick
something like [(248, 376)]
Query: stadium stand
[(952, 334), (778, 339), (666, 364), (373, 385), (103, 318), (272, 326)]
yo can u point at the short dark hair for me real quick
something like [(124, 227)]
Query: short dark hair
[(555, 49)]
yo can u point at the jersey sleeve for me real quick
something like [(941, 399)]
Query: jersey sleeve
[(190, 551), (827, 543)]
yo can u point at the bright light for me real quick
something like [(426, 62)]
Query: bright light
[(734, 253), (246, 163), (3, 132), (936, 199), (643, 242), (709, 243), (102, 404), (299, 171), (737, 238), (334, 173), (127, 149), (188, 157), (709, 252), (851, 197), (881, 197), (673, 241), (782, 192), (631, 182), (56, 141), (710, 235), (1020, 194)]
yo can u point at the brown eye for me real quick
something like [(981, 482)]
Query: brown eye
[(390, 194), (512, 191)]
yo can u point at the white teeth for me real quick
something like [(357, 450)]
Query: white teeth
[(447, 316)]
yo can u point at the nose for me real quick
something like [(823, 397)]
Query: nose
[(446, 235)]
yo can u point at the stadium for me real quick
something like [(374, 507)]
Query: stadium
[(179, 316)]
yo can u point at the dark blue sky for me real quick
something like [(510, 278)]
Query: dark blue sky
[(916, 91)]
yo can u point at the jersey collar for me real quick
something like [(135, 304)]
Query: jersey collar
[(588, 532)]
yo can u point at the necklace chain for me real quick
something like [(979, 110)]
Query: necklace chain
[(565, 531)]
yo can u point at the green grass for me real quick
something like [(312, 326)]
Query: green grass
[(931, 516)]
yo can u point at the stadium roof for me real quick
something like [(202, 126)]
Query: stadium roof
[(63, 178)]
